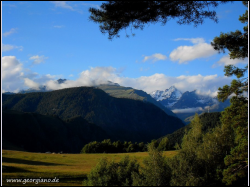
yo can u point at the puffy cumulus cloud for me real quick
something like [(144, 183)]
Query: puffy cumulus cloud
[(184, 54), (38, 59), (155, 57), (31, 84), (207, 85), (225, 60), (15, 77), (94, 76), (12, 73), (204, 85), (11, 67)]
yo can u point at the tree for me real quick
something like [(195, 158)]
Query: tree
[(109, 173), (187, 168), (164, 144), (155, 172), (236, 115), (237, 161), (117, 15)]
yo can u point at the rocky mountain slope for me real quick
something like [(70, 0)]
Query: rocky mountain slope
[(188, 103)]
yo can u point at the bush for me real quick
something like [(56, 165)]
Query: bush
[(109, 173)]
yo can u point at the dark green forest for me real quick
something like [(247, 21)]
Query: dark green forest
[(122, 119), (107, 146), (169, 142), (199, 162), (34, 132)]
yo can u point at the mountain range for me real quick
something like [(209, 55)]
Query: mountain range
[(188, 103), (172, 101), (121, 118)]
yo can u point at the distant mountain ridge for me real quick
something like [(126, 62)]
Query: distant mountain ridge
[(188, 103), (115, 90)]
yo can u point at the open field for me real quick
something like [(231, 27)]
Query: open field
[(70, 169)]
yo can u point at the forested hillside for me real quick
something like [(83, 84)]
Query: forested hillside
[(41, 133), (208, 121), (131, 93), (123, 119)]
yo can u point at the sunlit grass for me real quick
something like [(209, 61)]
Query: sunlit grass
[(70, 169)]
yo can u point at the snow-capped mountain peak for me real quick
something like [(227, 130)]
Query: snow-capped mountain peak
[(171, 93)]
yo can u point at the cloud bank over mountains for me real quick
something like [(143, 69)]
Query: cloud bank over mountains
[(16, 78)]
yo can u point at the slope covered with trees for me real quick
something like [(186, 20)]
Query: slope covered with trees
[(199, 162), (123, 119), (131, 93), (208, 122), (41, 133)]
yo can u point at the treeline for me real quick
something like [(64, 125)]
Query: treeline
[(106, 146), (214, 158)]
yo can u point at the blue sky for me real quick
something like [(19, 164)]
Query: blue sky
[(45, 41)]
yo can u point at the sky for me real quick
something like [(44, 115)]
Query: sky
[(43, 41)]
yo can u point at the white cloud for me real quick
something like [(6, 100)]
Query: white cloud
[(38, 59), (193, 40), (206, 85), (12, 73), (225, 60), (16, 78), (188, 110), (7, 47), (63, 4), (13, 30), (198, 109), (31, 84), (200, 49), (155, 57)]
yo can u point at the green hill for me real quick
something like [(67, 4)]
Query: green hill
[(123, 119), (40, 133), (131, 93), (208, 120)]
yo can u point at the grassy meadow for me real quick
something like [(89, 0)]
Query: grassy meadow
[(70, 169)]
